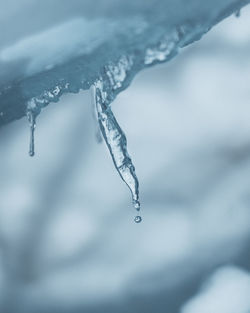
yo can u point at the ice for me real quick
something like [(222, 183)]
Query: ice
[(54, 48), (48, 49), (117, 144), (64, 214)]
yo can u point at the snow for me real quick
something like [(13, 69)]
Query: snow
[(47, 49), (49, 45), (66, 231), (75, 54), (66, 219)]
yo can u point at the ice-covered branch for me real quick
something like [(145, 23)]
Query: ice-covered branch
[(42, 58), (105, 41)]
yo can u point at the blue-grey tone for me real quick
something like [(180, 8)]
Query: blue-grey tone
[(68, 242)]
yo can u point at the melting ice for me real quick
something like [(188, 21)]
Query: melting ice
[(32, 121), (117, 144), (101, 42)]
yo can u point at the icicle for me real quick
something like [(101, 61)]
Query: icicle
[(32, 122), (117, 144), (98, 134)]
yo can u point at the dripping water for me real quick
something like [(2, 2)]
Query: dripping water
[(117, 144), (137, 206), (32, 122)]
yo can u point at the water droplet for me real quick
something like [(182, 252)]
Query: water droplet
[(138, 219), (137, 205), (32, 121)]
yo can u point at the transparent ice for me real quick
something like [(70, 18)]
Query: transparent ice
[(60, 47)]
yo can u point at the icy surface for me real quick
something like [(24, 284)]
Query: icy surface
[(51, 48), (81, 43), (68, 244)]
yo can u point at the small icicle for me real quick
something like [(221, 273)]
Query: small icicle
[(237, 13), (32, 122), (117, 144), (98, 134)]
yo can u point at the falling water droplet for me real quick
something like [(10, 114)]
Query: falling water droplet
[(32, 122), (138, 219)]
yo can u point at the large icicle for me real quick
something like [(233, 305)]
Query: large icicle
[(117, 144)]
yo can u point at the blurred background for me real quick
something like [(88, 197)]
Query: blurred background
[(68, 242)]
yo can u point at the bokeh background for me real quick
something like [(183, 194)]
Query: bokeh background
[(68, 242)]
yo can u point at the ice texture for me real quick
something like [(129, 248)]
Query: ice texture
[(68, 244), (50, 48), (117, 144)]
